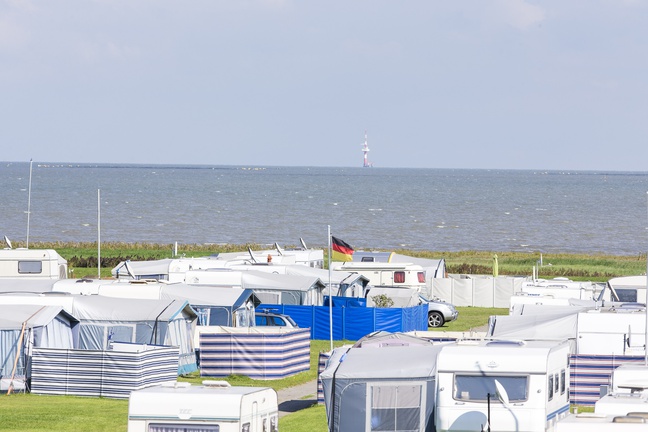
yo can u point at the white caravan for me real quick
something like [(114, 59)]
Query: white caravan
[(511, 385), (32, 264), (592, 422), (557, 292), (629, 391), (211, 407), (386, 274), (629, 288)]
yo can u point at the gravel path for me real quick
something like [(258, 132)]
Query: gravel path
[(297, 398)]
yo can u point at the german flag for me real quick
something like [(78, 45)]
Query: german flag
[(341, 250)]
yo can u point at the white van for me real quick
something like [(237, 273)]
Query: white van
[(511, 385), (211, 407)]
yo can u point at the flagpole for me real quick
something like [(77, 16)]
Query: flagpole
[(98, 233), (31, 162), (330, 288)]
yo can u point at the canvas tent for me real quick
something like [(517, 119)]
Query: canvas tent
[(284, 289), (538, 323), (345, 284), (104, 320), (156, 269), (396, 392), (402, 297), (24, 327), (27, 285), (153, 322), (213, 305)]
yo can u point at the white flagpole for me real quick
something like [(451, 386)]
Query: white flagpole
[(330, 288), (29, 201), (98, 233)]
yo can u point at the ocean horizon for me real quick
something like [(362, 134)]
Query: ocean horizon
[(535, 211)]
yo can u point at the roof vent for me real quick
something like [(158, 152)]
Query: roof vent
[(216, 383), (506, 343)]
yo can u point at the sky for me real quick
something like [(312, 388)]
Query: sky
[(494, 84)]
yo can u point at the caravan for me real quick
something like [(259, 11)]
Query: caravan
[(629, 392), (211, 407), (32, 264), (403, 275), (508, 385)]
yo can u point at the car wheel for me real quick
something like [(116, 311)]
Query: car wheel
[(435, 319)]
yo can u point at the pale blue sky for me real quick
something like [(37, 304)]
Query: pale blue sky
[(436, 84)]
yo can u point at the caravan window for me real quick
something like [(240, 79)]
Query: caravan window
[(157, 427), (30, 267), (550, 392), (626, 294), (396, 408), (421, 277), (476, 388), (399, 277)]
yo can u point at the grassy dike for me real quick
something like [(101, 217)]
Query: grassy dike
[(27, 412), (82, 259)]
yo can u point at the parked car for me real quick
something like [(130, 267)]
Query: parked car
[(269, 318), (439, 311)]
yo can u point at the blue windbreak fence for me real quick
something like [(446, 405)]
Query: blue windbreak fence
[(353, 323)]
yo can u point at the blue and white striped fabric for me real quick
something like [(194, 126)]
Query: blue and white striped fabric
[(589, 372), (111, 374), (259, 354)]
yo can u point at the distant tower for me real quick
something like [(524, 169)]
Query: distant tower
[(365, 150)]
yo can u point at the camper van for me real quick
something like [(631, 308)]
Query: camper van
[(32, 264), (214, 406), (509, 385), (387, 274)]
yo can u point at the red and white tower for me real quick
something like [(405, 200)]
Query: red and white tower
[(365, 150)]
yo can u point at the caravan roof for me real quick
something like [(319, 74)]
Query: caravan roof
[(506, 355)]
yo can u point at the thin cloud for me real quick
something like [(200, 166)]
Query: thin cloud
[(520, 14)]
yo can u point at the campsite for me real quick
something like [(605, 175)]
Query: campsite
[(484, 311)]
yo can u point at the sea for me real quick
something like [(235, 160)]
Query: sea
[(369, 208)]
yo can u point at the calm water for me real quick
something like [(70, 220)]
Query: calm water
[(422, 209)]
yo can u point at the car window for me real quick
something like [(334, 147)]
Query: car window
[(279, 321), (261, 320)]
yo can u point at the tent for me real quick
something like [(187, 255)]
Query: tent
[(385, 381), (402, 297), (155, 269), (24, 327), (104, 320), (213, 305), (346, 284), (273, 288)]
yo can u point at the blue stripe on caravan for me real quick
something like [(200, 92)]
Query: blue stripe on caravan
[(562, 410)]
